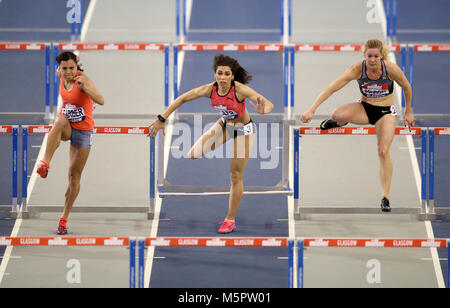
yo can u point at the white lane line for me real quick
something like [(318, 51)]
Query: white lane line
[(31, 183), (87, 19), (414, 160), (167, 147)]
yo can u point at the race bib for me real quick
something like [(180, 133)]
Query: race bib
[(73, 113), (227, 114), (375, 90)]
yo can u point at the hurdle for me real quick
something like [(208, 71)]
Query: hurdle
[(295, 246), (13, 46), (165, 188), (368, 243), (12, 130), (438, 131), (108, 130), (300, 211), (115, 47)]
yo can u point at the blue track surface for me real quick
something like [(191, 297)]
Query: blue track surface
[(428, 22), (235, 21), (423, 21), (43, 20)]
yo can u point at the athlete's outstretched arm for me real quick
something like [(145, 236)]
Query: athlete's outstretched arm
[(353, 73), (397, 75), (262, 106), (202, 91)]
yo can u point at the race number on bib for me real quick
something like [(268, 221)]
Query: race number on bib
[(73, 113)]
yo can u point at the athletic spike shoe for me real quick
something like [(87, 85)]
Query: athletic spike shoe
[(62, 227), (327, 124), (227, 226), (385, 207), (42, 169)]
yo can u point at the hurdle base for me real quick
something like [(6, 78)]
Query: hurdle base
[(191, 190), (36, 210), (305, 213), (436, 214)]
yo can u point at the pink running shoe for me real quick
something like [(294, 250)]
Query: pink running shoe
[(227, 226), (62, 227), (42, 169)]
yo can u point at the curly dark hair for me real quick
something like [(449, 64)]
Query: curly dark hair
[(66, 56), (240, 74)]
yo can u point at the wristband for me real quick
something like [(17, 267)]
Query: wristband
[(160, 117)]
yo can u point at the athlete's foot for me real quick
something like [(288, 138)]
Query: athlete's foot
[(385, 207), (327, 124), (62, 227), (227, 226), (42, 169)]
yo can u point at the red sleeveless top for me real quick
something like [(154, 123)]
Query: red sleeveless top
[(77, 107), (228, 105)]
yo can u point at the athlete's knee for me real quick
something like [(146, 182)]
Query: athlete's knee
[(337, 115), (74, 177), (61, 122), (195, 152), (235, 176), (383, 151)]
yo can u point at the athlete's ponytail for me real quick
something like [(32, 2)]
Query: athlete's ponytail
[(68, 55), (240, 74)]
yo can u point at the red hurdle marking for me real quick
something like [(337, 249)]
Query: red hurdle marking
[(400, 243), (6, 129), (110, 46), (224, 242), (64, 241), (431, 47), (442, 131), (131, 130), (338, 47), (357, 131), (231, 47), (22, 46)]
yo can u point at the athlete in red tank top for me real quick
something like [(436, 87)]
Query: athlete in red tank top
[(228, 94), (228, 105), (75, 123), (77, 106)]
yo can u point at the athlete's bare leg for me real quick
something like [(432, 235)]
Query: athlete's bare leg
[(78, 158), (61, 130), (385, 128)]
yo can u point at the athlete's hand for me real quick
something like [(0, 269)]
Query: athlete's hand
[(155, 127), (81, 79), (307, 116), (260, 105), (409, 119)]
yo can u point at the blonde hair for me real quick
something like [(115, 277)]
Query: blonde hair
[(374, 43)]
